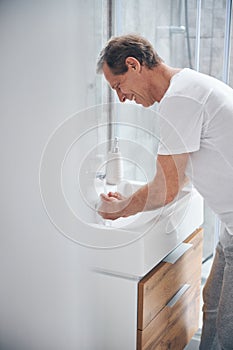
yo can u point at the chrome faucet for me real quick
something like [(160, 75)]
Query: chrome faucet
[(99, 175)]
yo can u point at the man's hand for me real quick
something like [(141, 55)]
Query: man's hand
[(112, 205)]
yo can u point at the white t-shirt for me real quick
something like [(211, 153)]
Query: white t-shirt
[(197, 118)]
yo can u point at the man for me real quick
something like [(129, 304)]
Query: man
[(196, 143)]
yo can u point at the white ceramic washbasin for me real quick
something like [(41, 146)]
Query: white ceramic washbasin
[(151, 236), (127, 246)]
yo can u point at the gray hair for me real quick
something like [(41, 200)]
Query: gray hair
[(119, 48)]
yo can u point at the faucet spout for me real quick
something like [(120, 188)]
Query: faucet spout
[(100, 176)]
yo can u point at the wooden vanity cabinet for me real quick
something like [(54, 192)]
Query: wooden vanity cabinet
[(169, 300)]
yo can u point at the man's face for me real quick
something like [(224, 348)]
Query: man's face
[(131, 85)]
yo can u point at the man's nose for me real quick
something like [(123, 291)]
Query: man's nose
[(121, 96)]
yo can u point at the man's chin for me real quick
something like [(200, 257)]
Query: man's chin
[(143, 103), (146, 104)]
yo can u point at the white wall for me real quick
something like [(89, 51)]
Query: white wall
[(47, 72)]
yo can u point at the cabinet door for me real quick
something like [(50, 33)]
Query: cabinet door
[(169, 298)]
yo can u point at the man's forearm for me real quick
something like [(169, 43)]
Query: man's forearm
[(148, 197), (169, 179)]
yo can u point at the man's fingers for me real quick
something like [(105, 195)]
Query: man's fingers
[(107, 198), (116, 195)]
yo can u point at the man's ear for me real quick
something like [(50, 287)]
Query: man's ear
[(133, 64)]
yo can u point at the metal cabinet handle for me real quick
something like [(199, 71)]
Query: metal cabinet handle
[(177, 253), (178, 295)]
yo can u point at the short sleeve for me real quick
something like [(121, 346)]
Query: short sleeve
[(181, 121)]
